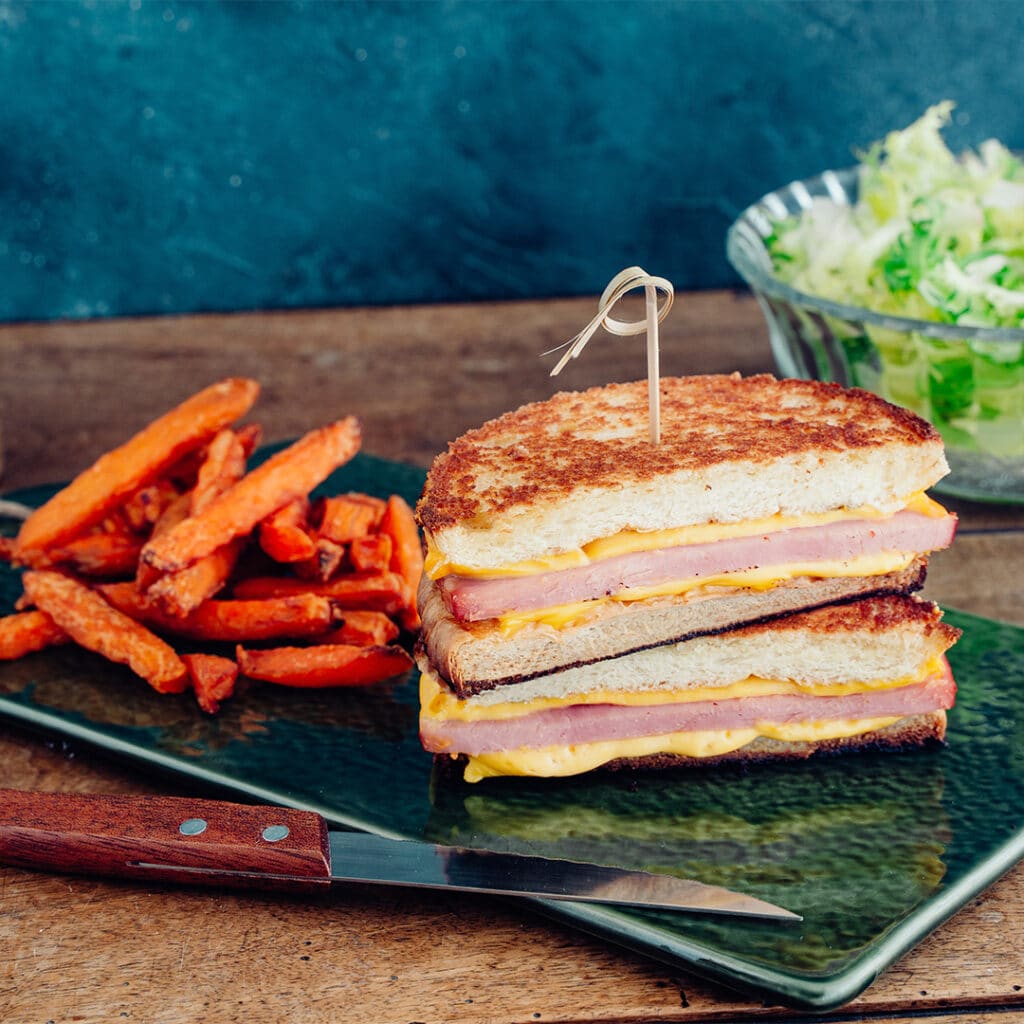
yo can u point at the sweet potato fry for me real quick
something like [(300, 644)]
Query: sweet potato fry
[(326, 560), (186, 470), (222, 468), (363, 629), (406, 553), (289, 474), (93, 623), (370, 554), (115, 475), (381, 592), (99, 554), (181, 593), (249, 436), (323, 665), (284, 536), (24, 632), (6, 549), (145, 575), (213, 679), (377, 504), (143, 508), (345, 517), (114, 522), (173, 514), (298, 615), (129, 599)]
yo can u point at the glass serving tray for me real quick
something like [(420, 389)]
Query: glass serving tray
[(874, 851)]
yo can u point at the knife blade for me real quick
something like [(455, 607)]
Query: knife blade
[(213, 842)]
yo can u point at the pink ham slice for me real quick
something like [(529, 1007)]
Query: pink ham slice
[(591, 723), (472, 599)]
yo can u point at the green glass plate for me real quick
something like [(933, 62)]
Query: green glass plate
[(874, 850)]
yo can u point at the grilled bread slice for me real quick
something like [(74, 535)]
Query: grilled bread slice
[(555, 475), (473, 657), (874, 638)]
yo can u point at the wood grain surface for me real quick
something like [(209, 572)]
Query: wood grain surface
[(78, 949)]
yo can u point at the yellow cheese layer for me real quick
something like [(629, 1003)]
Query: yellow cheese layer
[(629, 541), (439, 704), (564, 615), (546, 762)]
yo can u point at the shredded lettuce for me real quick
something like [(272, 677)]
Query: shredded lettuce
[(933, 236)]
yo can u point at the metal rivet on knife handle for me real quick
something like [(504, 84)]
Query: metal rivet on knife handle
[(275, 833), (192, 827)]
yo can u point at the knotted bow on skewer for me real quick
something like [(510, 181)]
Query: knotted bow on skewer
[(619, 286)]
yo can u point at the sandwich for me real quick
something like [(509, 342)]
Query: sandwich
[(560, 540), (868, 674)]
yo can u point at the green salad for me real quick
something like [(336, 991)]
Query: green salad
[(932, 236)]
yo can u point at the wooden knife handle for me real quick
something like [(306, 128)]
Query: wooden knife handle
[(221, 843)]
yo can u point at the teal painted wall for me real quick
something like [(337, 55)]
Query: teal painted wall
[(167, 156)]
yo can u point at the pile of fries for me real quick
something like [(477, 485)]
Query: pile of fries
[(169, 545)]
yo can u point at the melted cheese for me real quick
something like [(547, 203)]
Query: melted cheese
[(439, 704), (573, 614), (547, 762), (630, 541)]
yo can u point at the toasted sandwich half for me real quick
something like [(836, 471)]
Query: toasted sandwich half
[(868, 674), (558, 536)]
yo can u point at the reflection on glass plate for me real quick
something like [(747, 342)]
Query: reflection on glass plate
[(874, 851), (847, 845)]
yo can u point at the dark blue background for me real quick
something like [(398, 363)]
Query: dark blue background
[(165, 157)]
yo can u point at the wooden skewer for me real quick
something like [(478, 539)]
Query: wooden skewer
[(620, 285)]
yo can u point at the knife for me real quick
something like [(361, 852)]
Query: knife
[(212, 842)]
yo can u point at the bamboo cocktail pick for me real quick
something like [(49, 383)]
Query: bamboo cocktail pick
[(620, 285)]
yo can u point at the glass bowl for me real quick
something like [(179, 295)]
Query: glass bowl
[(967, 381)]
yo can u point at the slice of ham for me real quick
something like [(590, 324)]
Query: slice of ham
[(473, 599), (592, 723)]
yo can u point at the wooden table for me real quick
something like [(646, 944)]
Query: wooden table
[(83, 950)]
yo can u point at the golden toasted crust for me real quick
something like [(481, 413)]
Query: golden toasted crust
[(599, 438), (871, 615)]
